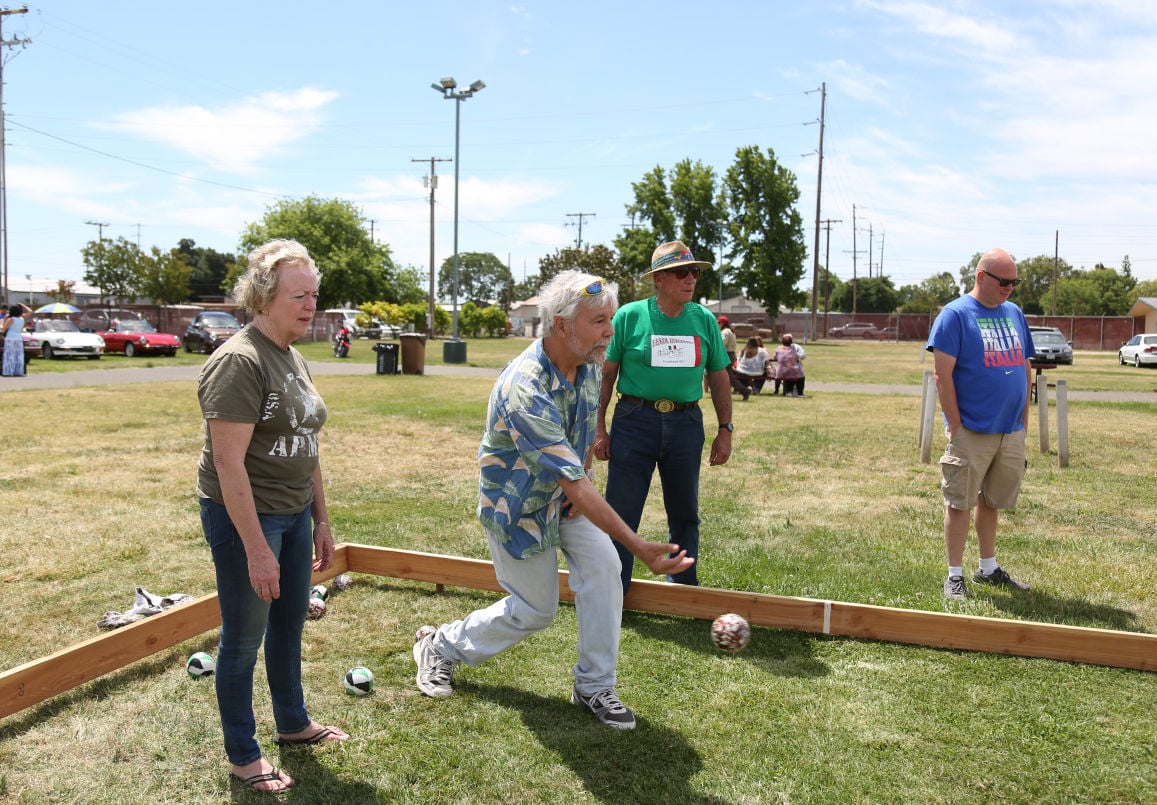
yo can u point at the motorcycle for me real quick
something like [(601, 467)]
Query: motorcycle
[(341, 343)]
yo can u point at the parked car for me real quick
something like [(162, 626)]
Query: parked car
[(348, 319), (378, 330), (136, 337), (209, 330), (856, 330), (1051, 346), (100, 319), (60, 338), (1140, 350)]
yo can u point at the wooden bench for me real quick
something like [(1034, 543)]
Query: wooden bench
[(1040, 367)]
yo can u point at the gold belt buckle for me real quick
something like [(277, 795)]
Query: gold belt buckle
[(664, 406)]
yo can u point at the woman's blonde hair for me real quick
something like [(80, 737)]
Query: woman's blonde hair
[(256, 288)]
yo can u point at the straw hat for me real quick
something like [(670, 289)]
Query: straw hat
[(672, 255)]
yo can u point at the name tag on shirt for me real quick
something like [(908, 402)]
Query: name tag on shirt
[(674, 351)]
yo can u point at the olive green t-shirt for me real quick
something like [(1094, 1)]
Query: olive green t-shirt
[(251, 379)]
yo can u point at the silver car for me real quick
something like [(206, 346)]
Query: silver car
[(1051, 347)]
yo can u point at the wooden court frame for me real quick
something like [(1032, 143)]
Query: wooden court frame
[(36, 681)]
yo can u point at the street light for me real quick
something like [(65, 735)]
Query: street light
[(454, 351)]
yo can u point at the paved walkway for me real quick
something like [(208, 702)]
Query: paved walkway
[(160, 374)]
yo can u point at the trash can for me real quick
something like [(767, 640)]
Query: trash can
[(413, 353), (387, 358), (453, 351)]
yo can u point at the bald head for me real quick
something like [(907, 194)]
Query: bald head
[(996, 277)]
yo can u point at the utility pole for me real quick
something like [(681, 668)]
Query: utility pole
[(100, 239), (827, 222), (5, 43), (430, 181), (871, 253), (1056, 262), (372, 221), (819, 191), (580, 216)]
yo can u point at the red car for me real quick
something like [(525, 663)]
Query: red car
[(137, 337)]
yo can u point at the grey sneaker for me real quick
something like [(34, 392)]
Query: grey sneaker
[(954, 588), (435, 672), (606, 707), (1000, 578)]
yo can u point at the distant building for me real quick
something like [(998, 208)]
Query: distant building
[(35, 292)]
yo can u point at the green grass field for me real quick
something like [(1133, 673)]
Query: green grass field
[(824, 497)]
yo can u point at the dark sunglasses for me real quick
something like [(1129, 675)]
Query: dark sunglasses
[(1003, 282), (682, 271)]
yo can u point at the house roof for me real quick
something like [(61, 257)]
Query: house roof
[(1143, 302)]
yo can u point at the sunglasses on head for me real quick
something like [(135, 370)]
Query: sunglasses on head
[(1003, 282), (682, 271), (594, 289)]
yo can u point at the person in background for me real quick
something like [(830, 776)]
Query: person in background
[(788, 358), (661, 347), (536, 499), (263, 507), (753, 365), (982, 350), (12, 331)]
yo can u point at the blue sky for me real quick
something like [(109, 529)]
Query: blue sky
[(951, 126)]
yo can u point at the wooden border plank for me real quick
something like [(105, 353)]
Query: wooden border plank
[(41, 679)]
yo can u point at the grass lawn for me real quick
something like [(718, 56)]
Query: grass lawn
[(824, 497)]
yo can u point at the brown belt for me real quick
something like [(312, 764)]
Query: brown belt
[(662, 406)]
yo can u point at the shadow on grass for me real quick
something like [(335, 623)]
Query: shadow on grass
[(650, 763), (314, 782), (777, 651), (105, 686), (1041, 607)]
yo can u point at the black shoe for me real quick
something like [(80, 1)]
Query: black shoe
[(1000, 578)]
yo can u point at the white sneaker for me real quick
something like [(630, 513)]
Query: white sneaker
[(435, 672)]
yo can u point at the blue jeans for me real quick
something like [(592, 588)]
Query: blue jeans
[(533, 604), (246, 620), (642, 439)]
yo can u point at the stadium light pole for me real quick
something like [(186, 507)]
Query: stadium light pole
[(454, 350)]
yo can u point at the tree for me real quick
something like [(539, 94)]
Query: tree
[(63, 292), (1112, 290), (1146, 289), (930, 295), (700, 216), (114, 267), (164, 276), (353, 267), (873, 295), (765, 228), (635, 247), (597, 260), (482, 277), (412, 285), (653, 205), (526, 289), (208, 269)]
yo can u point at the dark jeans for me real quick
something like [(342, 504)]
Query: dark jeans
[(641, 440), (246, 621)]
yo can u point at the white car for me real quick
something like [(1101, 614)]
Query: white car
[(348, 319), (58, 338), (1140, 350)]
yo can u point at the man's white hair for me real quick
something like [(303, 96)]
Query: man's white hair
[(566, 292)]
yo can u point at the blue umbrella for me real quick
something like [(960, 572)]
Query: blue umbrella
[(56, 307)]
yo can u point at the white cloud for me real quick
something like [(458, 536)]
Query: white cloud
[(235, 138)]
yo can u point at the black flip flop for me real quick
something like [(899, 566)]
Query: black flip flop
[(267, 777), (318, 737)]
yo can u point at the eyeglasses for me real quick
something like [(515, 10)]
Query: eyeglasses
[(1003, 282), (681, 272)]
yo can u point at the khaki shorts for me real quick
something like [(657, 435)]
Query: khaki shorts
[(989, 464)]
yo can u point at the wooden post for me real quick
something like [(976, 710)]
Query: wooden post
[(927, 415), (1063, 422), (1042, 410)]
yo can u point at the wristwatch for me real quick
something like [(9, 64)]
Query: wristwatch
[(729, 427)]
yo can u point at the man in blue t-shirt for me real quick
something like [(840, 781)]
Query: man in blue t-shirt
[(982, 349)]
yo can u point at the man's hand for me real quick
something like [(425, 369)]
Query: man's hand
[(602, 446), (721, 448), (654, 556)]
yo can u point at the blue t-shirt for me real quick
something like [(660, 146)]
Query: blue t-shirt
[(539, 429), (991, 346)]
